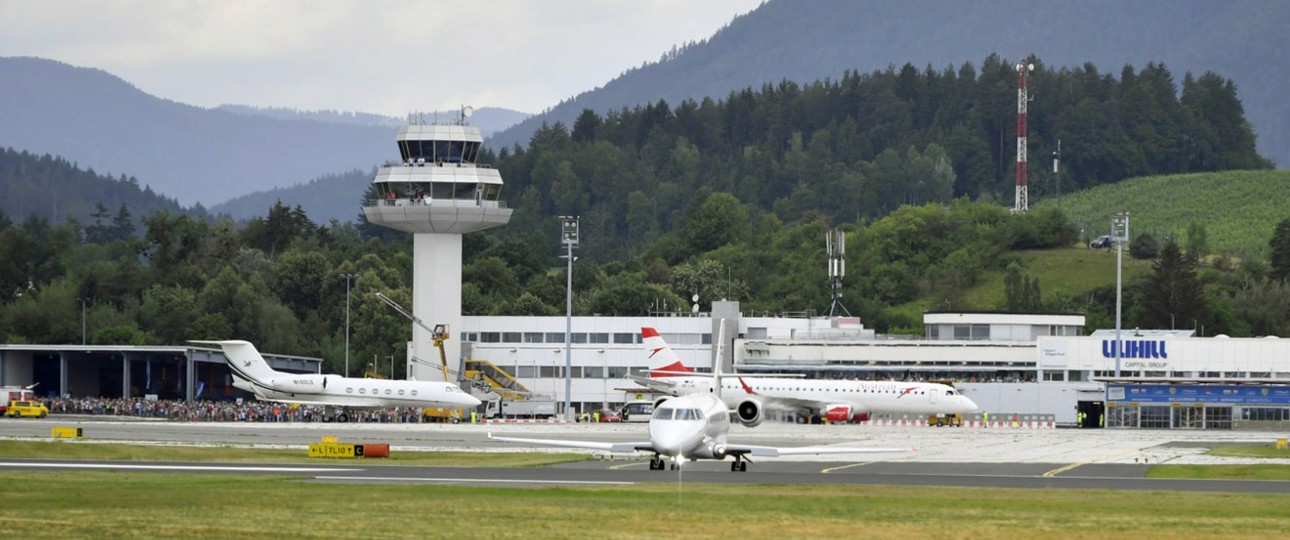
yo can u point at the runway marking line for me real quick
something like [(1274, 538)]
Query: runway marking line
[(476, 480), (1074, 466), (831, 469), (625, 465), (172, 467)]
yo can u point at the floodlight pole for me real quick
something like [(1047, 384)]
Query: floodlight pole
[(347, 278), (83, 301), (1119, 235), (569, 237)]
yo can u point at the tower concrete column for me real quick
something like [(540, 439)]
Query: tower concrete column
[(436, 299)]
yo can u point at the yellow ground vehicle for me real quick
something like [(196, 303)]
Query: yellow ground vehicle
[(27, 408), (938, 420)]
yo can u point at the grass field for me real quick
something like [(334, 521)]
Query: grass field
[(116, 505), (1222, 472), (1259, 451)]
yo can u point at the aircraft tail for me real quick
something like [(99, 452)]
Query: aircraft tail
[(663, 362), (244, 361)]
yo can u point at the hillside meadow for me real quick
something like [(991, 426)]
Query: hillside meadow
[(1239, 209)]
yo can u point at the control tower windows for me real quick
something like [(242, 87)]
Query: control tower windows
[(439, 153), (464, 192), (492, 192)]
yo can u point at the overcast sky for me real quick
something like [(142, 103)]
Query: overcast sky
[(379, 56)]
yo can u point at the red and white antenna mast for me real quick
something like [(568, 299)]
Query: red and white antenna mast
[(1022, 203)]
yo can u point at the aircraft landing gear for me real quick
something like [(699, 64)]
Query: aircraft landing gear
[(739, 466), (656, 464)]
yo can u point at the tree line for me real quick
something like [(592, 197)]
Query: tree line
[(863, 145)]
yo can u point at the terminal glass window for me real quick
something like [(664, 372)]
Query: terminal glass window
[(555, 337), (1155, 417), (624, 338), (1218, 418), (511, 337), (550, 372), (579, 337), (489, 337), (593, 372), (533, 337), (600, 338), (617, 372), (526, 372)]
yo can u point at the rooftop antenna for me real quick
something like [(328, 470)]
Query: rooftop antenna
[(466, 112), (836, 244)]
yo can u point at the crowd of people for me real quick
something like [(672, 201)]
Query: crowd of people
[(222, 411)]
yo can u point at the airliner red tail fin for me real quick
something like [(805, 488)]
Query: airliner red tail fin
[(662, 361)]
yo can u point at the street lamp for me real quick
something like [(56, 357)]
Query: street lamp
[(1119, 235), (83, 301), (568, 237), (347, 277)]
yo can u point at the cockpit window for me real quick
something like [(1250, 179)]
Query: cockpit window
[(949, 392), (688, 414), (663, 413)]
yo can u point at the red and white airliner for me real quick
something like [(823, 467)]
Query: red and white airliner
[(750, 396)]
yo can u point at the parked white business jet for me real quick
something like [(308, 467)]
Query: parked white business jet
[(693, 427), (836, 400), (253, 374)]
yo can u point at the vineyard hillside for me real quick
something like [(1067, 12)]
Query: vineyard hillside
[(1239, 209)]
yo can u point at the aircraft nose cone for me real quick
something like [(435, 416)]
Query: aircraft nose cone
[(467, 400), (669, 441)]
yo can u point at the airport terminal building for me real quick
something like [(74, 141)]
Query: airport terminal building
[(1025, 363)]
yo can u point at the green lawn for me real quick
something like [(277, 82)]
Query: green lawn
[(1222, 472), (117, 505), (1260, 451)]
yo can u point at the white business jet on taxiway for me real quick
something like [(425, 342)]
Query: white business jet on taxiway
[(253, 374), (692, 427)]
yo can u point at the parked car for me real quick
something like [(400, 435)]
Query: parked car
[(27, 408), (1103, 241), (609, 415)]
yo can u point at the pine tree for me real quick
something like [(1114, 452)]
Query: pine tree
[(1173, 292), (1280, 245)]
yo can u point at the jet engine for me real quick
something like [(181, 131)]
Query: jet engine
[(837, 414), (749, 412), (712, 451)]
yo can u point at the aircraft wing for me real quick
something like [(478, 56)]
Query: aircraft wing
[(645, 446), (772, 451), (652, 383)]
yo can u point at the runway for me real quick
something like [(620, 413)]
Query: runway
[(1063, 459)]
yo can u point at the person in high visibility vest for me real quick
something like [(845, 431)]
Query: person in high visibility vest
[(985, 419), (596, 417), (474, 416)]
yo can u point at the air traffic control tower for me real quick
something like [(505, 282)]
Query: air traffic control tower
[(437, 193)]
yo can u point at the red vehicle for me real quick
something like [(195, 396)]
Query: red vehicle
[(609, 415)]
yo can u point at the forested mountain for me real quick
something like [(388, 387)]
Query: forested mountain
[(185, 152), (865, 144), (332, 196), (1245, 40), (55, 190)]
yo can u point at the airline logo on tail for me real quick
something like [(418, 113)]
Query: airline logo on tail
[(662, 361)]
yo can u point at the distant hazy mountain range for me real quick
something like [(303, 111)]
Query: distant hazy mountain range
[(1244, 40), (192, 154), (489, 120)]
